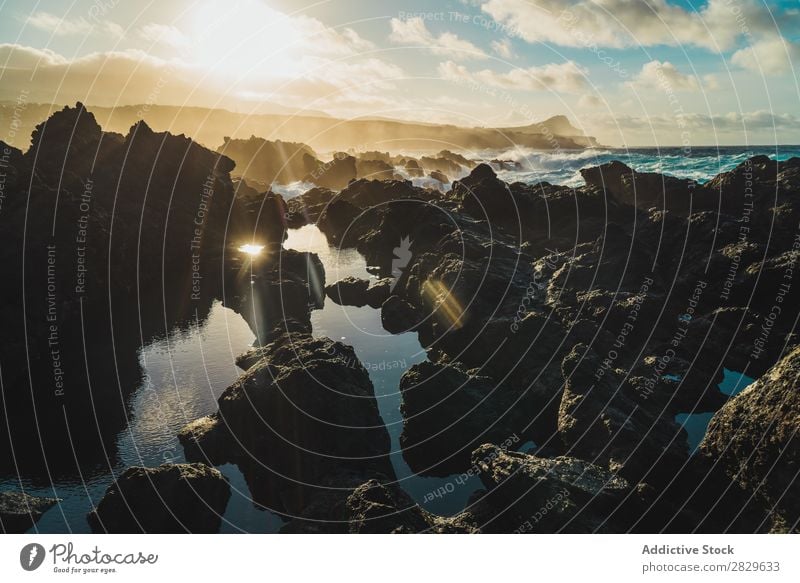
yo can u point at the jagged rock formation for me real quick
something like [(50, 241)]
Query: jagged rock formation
[(755, 437), (172, 498), (267, 162), (351, 291), (300, 424), (335, 174), (615, 306), (20, 511), (113, 233)]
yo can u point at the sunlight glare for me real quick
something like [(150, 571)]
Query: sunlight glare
[(251, 249), (241, 37)]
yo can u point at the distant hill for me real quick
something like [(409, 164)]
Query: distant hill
[(211, 126), (558, 125)]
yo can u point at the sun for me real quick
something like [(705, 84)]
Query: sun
[(235, 38)]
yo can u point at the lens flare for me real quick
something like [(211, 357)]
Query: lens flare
[(251, 249), (444, 303)]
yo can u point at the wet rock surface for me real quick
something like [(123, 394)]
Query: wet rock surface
[(303, 413), (380, 508), (448, 412), (94, 215), (20, 511), (560, 494), (172, 498), (755, 437)]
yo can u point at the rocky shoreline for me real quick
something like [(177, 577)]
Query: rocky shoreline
[(580, 319)]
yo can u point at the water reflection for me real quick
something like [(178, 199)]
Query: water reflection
[(386, 357), (696, 424), (183, 375)]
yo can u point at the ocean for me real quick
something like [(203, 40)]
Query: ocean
[(700, 164), (563, 167)]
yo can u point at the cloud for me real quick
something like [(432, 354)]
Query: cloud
[(134, 77), (564, 77), (13, 56), (589, 101), (773, 56), (323, 40), (503, 48), (664, 76), (413, 32), (752, 121), (355, 41), (622, 23), (164, 34), (72, 26)]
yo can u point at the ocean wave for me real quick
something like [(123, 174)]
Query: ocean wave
[(563, 167)]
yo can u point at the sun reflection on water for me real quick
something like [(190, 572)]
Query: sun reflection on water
[(251, 249)]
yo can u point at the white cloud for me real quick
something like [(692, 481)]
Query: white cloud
[(772, 56), (564, 77), (134, 77), (624, 23), (355, 41), (413, 32), (14, 56), (664, 76), (322, 40), (503, 48), (163, 33), (72, 26)]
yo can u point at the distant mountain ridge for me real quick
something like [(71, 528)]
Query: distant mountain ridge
[(210, 127)]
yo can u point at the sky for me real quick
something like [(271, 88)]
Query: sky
[(649, 72)]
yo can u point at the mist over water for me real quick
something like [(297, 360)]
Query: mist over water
[(700, 164), (563, 167)]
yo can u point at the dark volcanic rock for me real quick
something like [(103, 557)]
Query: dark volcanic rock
[(603, 418), (172, 498), (641, 189), (19, 511), (126, 229), (206, 440), (456, 158), (441, 165), (269, 162), (350, 291), (562, 494), (447, 413), (336, 220), (300, 417), (755, 437), (384, 508), (379, 292), (436, 175), (11, 161), (374, 169), (398, 316), (413, 168), (307, 208), (276, 290), (335, 174)]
